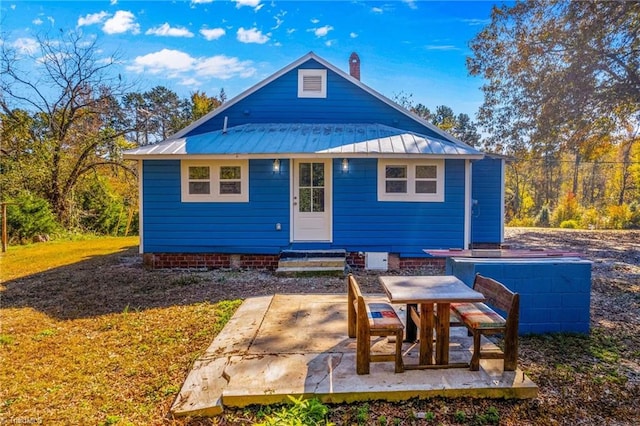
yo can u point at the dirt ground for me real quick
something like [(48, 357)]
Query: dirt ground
[(583, 380)]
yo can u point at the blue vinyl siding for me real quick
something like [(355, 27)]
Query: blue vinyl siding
[(278, 102), (360, 222), (171, 226), (486, 219)]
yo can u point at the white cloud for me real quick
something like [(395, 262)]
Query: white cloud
[(181, 65), (441, 47), (224, 67), (315, 21), (377, 10), (411, 3), (13, 7), (92, 18), (251, 3), (252, 35), (37, 21), (291, 31), (329, 43), (476, 21), (212, 33), (322, 31), (191, 82), (26, 45), (165, 60), (51, 20), (201, 1), (113, 2), (165, 30), (279, 19), (123, 21), (353, 35)]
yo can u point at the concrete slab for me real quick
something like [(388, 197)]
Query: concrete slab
[(297, 345)]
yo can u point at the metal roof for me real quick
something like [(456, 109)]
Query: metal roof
[(304, 139)]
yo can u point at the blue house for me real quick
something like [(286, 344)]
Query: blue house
[(313, 159)]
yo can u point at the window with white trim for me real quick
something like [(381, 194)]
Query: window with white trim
[(312, 83), (215, 181), (411, 180)]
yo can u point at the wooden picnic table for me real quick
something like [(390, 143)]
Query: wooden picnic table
[(425, 292)]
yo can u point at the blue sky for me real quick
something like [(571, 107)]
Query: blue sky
[(414, 47)]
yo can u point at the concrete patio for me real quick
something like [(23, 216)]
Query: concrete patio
[(297, 345)]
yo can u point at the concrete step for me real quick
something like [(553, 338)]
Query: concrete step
[(310, 271), (312, 262), (311, 254)]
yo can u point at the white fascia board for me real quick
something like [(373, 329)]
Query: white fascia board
[(295, 155), (467, 202)]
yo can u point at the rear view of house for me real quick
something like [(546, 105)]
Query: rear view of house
[(313, 159)]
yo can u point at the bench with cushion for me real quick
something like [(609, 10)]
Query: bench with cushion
[(372, 318), (480, 319)]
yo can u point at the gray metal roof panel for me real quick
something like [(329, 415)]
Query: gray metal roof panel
[(302, 138)]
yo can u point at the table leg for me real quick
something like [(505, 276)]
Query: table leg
[(442, 333), (411, 326), (426, 334)]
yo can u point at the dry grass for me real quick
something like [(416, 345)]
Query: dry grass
[(79, 368)]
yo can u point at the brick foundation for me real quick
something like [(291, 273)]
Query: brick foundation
[(210, 261), (356, 261)]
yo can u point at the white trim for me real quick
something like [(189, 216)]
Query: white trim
[(468, 170), (306, 73), (140, 204), (411, 195), (274, 155), (328, 199), (214, 195)]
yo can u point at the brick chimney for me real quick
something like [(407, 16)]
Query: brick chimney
[(354, 65)]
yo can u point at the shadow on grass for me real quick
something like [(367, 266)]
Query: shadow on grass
[(118, 282)]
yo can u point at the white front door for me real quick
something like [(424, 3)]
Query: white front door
[(311, 199)]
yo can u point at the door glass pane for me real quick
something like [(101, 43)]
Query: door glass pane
[(304, 200), (305, 174), (396, 186), (199, 188), (426, 187), (318, 174), (318, 199)]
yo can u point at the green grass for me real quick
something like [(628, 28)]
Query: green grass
[(124, 367)]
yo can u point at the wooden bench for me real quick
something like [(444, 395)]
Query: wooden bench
[(372, 318), (480, 319)]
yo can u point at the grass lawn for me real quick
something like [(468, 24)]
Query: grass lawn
[(80, 368)]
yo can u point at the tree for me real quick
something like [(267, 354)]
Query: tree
[(74, 126), (556, 71)]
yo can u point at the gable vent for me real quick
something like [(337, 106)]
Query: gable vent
[(312, 83)]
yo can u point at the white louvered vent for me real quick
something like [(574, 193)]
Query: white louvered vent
[(312, 83)]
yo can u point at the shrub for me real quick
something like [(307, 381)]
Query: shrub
[(544, 217), (28, 217), (619, 217), (570, 224), (521, 222), (592, 219), (567, 209), (308, 412)]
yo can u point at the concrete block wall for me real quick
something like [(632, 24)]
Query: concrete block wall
[(555, 294)]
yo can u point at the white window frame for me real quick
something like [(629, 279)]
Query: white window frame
[(411, 194), (322, 93), (214, 179)]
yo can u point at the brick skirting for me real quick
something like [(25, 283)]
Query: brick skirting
[(210, 261), (269, 262)]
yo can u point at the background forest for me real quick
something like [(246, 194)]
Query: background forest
[(561, 103)]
